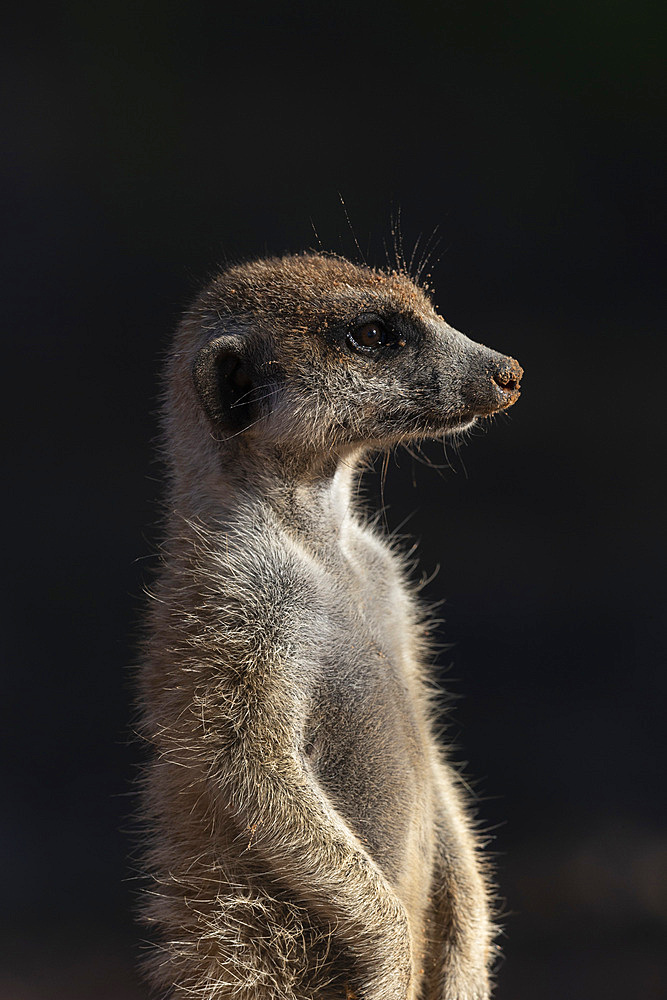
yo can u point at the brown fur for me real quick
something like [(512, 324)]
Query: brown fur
[(308, 839)]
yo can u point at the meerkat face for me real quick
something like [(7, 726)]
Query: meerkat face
[(316, 352)]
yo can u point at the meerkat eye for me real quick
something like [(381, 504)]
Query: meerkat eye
[(371, 335), (368, 337)]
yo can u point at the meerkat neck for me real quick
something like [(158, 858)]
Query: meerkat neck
[(311, 500), (315, 508)]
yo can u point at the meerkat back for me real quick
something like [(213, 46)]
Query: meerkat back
[(307, 837)]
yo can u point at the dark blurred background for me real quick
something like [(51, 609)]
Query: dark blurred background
[(146, 144)]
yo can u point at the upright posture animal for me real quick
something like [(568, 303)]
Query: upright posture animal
[(309, 839)]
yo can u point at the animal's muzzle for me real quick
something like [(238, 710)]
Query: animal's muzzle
[(506, 379), (493, 383)]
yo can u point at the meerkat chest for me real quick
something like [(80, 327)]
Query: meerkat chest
[(367, 734)]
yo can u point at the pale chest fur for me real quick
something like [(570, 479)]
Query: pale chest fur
[(366, 732)]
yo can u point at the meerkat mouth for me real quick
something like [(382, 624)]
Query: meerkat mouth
[(464, 424), (439, 424)]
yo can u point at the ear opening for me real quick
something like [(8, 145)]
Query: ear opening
[(224, 382)]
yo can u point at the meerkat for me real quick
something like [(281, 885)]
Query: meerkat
[(309, 839)]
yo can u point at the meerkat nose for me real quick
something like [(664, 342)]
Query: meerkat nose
[(507, 377)]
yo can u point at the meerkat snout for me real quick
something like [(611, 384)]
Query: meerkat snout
[(507, 379), (493, 382)]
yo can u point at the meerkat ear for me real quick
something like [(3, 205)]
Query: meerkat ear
[(222, 376)]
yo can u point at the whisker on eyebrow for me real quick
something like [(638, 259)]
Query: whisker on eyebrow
[(354, 235), (412, 255), (317, 235), (427, 259), (397, 240)]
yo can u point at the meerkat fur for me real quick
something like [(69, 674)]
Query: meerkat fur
[(308, 839)]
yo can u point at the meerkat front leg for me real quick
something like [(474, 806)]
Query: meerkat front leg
[(305, 842), (459, 927)]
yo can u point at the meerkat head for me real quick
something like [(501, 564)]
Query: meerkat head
[(315, 354)]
